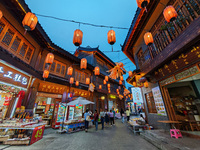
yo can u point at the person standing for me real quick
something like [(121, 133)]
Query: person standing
[(114, 116), (96, 117), (111, 114), (107, 117), (128, 114), (122, 115), (87, 117), (102, 117)]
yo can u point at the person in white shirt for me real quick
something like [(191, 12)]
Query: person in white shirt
[(102, 117)]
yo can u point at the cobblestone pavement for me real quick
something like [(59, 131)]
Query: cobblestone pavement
[(117, 137)]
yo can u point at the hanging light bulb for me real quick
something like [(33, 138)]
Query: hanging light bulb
[(83, 63), (77, 39)]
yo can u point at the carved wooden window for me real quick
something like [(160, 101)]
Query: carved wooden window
[(81, 76), (57, 68), (13, 41)]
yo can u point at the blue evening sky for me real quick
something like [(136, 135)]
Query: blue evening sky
[(102, 12)]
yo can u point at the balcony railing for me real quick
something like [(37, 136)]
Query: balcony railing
[(164, 33)]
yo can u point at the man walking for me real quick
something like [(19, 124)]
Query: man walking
[(102, 117), (128, 114), (96, 117)]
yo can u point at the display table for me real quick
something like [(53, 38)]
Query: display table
[(136, 128), (24, 135), (73, 127)]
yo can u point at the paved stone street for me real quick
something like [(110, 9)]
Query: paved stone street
[(117, 137)]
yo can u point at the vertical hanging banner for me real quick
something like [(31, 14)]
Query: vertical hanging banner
[(160, 107), (137, 95)]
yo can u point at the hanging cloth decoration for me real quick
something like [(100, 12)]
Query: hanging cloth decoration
[(117, 71), (91, 87), (20, 98)]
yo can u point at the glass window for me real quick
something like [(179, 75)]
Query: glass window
[(28, 54), (8, 37), (2, 25), (63, 70), (16, 43), (58, 68), (53, 65), (23, 50)]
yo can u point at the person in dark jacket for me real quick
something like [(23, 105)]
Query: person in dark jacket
[(122, 115), (96, 117)]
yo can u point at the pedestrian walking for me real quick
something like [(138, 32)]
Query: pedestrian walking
[(102, 117), (128, 114), (96, 117), (111, 114), (114, 116), (122, 115), (87, 118), (107, 117)]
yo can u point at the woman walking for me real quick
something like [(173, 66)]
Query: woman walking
[(96, 117), (107, 117), (128, 114), (111, 117), (87, 117)]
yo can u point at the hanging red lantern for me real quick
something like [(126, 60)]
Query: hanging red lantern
[(170, 13), (146, 84), (69, 71), (77, 83), (87, 81), (45, 74), (120, 82), (106, 78), (108, 85), (30, 21), (108, 91), (121, 78), (71, 80), (143, 3), (83, 63), (111, 37), (134, 84), (97, 71), (49, 58), (130, 73), (104, 82), (100, 87), (117, 90), (148, 38), (1, 14), (77, 39)]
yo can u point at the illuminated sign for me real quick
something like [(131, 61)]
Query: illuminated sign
[(137, 95), (10, 75), (113, 96)]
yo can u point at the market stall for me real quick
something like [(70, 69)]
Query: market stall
[(19, 132)]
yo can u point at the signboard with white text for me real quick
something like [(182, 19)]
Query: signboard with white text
[(137, 95)]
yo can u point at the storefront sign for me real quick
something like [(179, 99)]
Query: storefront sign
[(138, 83), (113, 96), (37, 134), (10, 75), (137, 95), (51, 88), (49, 95), (160, 107)]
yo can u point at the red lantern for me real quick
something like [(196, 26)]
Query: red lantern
[(121, 78), (130, 73), (117, 90), (134, 84), (142, 3), (148, 38), (97, 71), (170, 13), (83, 63), (111, 37), (1, 14), (100, 87), (104, 82), (45, 74), (71, 81), (77, 39), (30, 21), (120, 82), (106, 78), (108, 91), (108, 85), (118, 93), (49, 58), (146, 84), (69, 71), (77, 83), (87, 80)]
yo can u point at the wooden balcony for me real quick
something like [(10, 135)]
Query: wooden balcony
[(170, 38)]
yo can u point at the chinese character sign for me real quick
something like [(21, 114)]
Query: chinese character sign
[(160, 107), (137, 95), (13, 76)]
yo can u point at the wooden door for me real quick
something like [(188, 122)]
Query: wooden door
[(150, 103)]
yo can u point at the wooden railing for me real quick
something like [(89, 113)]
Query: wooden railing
[(164, 33)]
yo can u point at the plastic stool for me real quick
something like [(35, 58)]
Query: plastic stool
[(175, 133)]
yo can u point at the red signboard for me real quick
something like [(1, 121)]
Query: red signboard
[(37, 134)]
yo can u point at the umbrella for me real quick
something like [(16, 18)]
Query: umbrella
[(80, 101)]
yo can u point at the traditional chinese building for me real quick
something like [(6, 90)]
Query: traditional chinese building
[(104, 96), (168, 59)]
